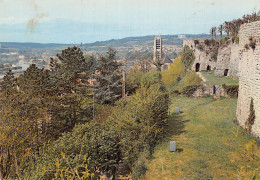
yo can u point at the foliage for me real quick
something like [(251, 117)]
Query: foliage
[(19, 131), (223, 41), (189, 90), (207, 42), (140, 168), (187, 57), (235, 39), (151, 78), (70, 68), (191, 78), (231, 90), (196, 41), (109, 79), (69, 110), (92, 145), (140, 120), (175, 72), (133, 79), (138, 55), (251, 118), (38, 106), (102, 112)]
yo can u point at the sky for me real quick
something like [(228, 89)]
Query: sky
[(86, 21)]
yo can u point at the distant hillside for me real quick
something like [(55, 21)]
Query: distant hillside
[(128, 41), (17, 45), (146, 40)]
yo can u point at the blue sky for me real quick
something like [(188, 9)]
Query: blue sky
[(75, 21)]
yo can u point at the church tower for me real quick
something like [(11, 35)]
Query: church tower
[(157, 54)]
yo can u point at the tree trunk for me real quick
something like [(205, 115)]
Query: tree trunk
[(16, 164)]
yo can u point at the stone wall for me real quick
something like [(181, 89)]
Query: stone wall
[(228, 60), (201, 57), (208, 90), (249, 75)]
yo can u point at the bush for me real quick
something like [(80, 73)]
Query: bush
[(196, 41), (175, 72), (235, 39), (133, 80), (231, 90), (151, 78), (191, 79), (189, 90), (141, 121), (92, 144), (140, 168), (207, 42)]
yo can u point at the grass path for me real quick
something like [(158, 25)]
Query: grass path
[(209, 144)]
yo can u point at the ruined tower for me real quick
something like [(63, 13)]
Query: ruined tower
[(157, 54)]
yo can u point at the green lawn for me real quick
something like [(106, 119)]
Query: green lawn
[(212, 80), (209, 144)]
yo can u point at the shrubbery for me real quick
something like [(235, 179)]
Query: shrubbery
[(235, 39), (129, 135), (191, 79), (176, 72), (231, 90), (187, 57)]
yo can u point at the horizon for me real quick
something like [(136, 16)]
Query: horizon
[(88, 21), (102, 40)]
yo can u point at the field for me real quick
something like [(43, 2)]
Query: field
[(209, 143), (213, 80)]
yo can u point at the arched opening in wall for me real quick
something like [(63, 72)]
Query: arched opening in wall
[(197, 67), (208, 68), (226, 72)]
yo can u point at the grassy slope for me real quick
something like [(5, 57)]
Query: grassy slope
[(212, 80), (209, 144)]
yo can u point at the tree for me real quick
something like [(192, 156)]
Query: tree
[(187, 56), (9, 83), (70, 68), (109, 79), (71, 105)]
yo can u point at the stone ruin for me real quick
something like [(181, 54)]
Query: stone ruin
[(237, 60)]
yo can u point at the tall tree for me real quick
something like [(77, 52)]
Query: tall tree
[(109, 79)]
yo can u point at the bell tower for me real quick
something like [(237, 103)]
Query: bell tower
[(157, 54)]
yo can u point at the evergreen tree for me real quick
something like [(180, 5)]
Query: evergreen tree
[(70, 68), (109, 79)]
